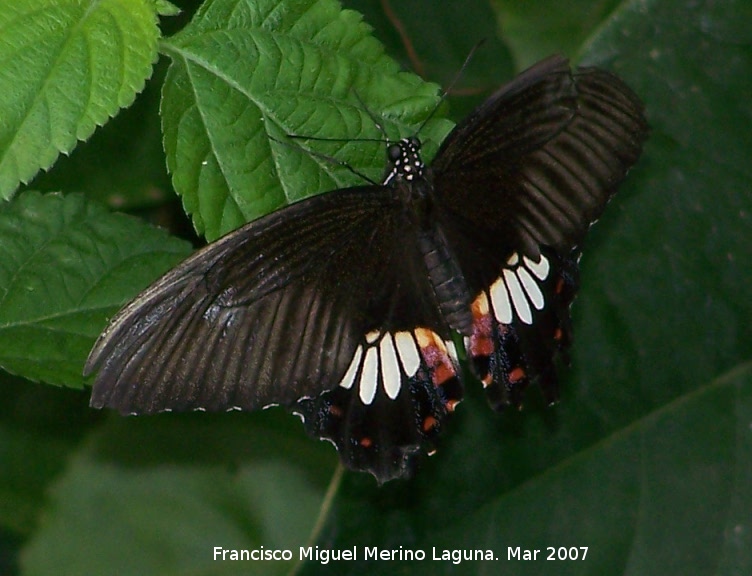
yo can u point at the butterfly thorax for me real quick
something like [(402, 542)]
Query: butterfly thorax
[(405, 163), (406, 176)]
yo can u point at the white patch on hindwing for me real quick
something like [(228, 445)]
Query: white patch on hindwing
[(387, 360), (517, 289), (369, 376), (408, 352), (352, 371), (390, 369)]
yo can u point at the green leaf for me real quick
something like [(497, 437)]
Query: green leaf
[(35, 445), (123, 163), (430, 29), (165, 8), (134, 506), (535, 30), (67, 67), (635, 496), (246, 74), (66, 266)]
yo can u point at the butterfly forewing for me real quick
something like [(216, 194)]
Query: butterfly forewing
[(268, 314), (342, 307), (537, 163)]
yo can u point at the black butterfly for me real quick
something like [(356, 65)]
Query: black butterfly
[(342, 306)]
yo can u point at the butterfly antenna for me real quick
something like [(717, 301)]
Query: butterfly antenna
[(454, 81), (373, 118), (371, 115), (325, 157)]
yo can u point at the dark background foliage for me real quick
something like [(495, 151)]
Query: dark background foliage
[(647, 460)]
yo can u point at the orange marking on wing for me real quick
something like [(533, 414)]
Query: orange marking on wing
[(558, 334), (366, 442), (335, 411), (429, 423), (442, 373), (425, 337), (479, 307), (435, 355), (516, 374), (481, 346), (481, 340)]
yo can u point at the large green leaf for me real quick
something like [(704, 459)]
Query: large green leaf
[(538, 29), (123, 163), (246, 74), (67, 66), (66, 265), (35, 444), (434, 39), (133, 505), (635, 492)]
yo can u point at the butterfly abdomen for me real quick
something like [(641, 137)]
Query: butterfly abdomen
[(450, 288)]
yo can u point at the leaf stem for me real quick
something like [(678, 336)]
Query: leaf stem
[(326, 505)]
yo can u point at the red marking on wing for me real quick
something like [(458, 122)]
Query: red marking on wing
[(429, 423), (366, 442), (516, 374), (435, 354)]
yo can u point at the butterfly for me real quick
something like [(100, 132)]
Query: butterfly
[(343, 307)]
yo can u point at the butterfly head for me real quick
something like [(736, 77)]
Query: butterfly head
[(405, 163)]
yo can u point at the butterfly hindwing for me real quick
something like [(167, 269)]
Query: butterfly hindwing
[(520, 323), (391, 404)]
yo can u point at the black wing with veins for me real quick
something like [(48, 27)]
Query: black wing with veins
[(537, 162), (268, 314), (518, 183)]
